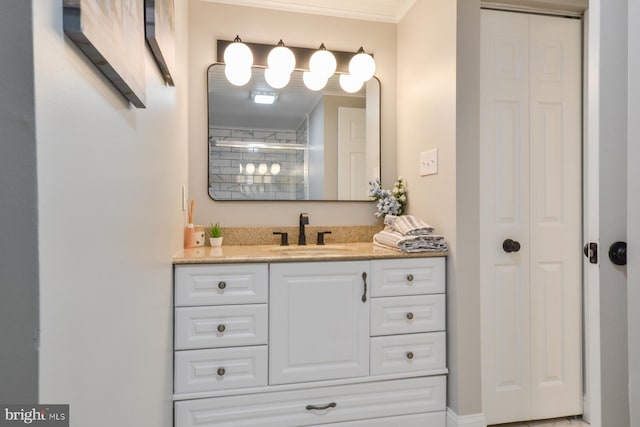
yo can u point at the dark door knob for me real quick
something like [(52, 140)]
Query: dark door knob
[(511, 246), (618, 253)]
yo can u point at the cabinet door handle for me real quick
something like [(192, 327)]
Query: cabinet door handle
[(221, 371), (410, 278), (221, 328), (409, 315), (321, 407), (410, 355), (364, 280), (222, 285)]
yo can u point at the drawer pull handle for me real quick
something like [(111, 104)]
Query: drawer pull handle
[(222, 285), (221, 328), (221, 371), (410, 277), (321, 407), (410, 355), (409, 315), (364, 280)]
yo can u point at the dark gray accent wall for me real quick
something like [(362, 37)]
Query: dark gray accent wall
[(18, 207)]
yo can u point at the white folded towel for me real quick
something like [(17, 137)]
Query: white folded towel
[(393, 240), (408, 225)]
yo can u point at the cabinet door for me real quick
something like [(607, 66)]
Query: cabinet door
[(318, 321)]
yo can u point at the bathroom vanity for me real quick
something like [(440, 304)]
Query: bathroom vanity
[(345, 335)]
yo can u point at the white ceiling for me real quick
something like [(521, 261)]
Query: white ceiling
[(369, 10)]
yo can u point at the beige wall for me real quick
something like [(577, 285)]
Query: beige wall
[(209, 22), (331, 130), (109, 221)]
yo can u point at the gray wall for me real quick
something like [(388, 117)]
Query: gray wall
[(613, 211), (633, 209), (18, 208), (467, 291)]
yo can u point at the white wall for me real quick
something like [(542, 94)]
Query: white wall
[(209, 22), (110, 219), (18, 208)]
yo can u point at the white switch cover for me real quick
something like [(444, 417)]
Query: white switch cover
[(429, 162)]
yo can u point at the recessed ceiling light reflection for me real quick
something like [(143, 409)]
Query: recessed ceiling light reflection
[(275, 169), (262, 168), (250, 168)]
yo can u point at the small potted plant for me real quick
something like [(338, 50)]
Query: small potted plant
[(215, 235)]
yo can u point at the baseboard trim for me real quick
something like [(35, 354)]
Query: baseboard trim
[(473, 420)]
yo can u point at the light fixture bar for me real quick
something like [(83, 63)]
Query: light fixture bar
[(258, 144), (303, 54)]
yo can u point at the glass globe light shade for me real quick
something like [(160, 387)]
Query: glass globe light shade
[(276, 78), (238, 54), (349, 83), (237, 76), (362, 66), (314, 81), (275, 169), (281, 58), (262, 168), (250, 168), (322, 62)]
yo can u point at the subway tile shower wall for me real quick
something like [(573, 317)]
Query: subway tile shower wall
[(238, 173)]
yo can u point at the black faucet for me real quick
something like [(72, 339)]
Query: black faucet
[(304, 219)]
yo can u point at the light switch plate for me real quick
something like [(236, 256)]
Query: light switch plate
[(429, 162)]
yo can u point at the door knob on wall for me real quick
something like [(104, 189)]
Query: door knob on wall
[(618, 253), (510, 246)]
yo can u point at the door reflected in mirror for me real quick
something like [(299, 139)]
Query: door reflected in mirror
[(291, 143)]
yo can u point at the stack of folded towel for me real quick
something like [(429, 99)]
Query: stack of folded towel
[(407, 233)]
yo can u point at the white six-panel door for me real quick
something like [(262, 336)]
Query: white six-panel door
[(530, 192)]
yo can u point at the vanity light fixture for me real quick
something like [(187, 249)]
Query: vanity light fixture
[(238, 54), (281, 62), (281, 59), (323, 62), (314, 81), (237, 75), (275, 168), (350, 84), (238, 60), (276, 79), (362, 66)]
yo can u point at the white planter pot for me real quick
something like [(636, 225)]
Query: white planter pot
[(215, 242)]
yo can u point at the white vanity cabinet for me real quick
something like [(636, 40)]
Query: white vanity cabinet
[(319, 321), (311, 343)]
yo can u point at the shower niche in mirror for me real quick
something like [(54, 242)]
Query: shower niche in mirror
[(305, 145)]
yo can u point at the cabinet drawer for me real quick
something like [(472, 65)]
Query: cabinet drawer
[(432, 419), (408, 353), (219, 369), (221, 284), (415, 276), (289, 408), (220, 326), (401, 315)]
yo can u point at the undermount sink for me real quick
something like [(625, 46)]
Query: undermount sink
[(311, 250)]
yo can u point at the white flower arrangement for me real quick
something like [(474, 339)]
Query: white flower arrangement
[(392, 201)]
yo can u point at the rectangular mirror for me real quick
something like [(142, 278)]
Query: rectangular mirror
[(307, 145)]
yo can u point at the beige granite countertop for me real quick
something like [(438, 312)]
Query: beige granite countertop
[(292, 253)]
